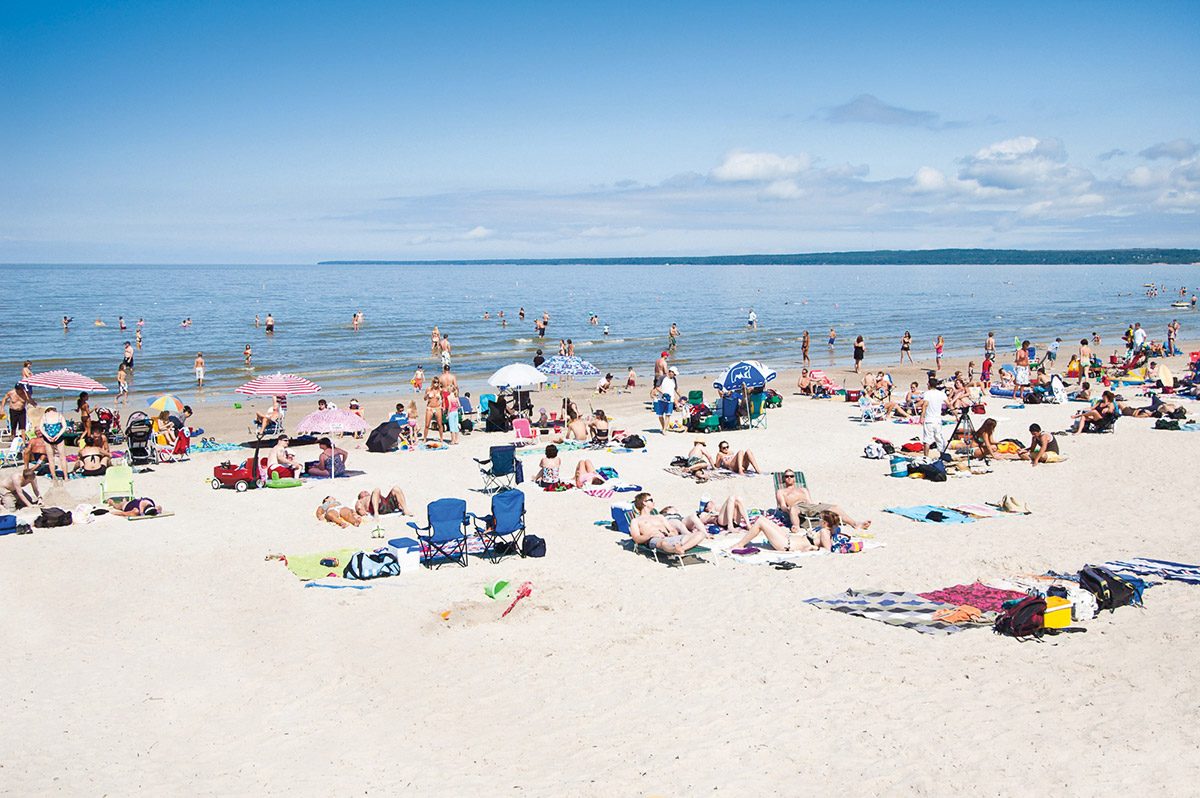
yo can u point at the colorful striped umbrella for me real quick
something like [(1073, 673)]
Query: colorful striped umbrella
[(332, 421), (169, 402), (64, 380), (279, 385)]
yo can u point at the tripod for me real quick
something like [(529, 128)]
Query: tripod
[(966, 428)]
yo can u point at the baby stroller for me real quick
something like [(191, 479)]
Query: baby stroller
[(139, 435), (108, 422)]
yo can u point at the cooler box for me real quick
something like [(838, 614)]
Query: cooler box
[(1058, 612), (852, 395)]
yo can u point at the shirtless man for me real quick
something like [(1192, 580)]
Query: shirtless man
[(270, 325), (12, 489), (660, 369), (444, 346), (670, 535), (15, 400), (453, 408), (793, 502), (199, 366), (281, 457)]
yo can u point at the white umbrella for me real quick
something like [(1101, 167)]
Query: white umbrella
[(516, 375)]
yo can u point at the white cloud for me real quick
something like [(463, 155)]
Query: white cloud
[(927, 179), (783, 189), (607, 231), (1022, 162), (478, 232), (759, 167), (1144, 177)]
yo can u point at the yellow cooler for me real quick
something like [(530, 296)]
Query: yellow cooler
[(1058, 612)]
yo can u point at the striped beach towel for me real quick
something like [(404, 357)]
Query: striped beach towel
[(1164, 569)]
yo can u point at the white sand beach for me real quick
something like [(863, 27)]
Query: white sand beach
[(167, 656)]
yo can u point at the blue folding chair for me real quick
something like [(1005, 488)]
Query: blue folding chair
[(499, 471), (729, 412), (506, 524), (444, 539), (485, 402)]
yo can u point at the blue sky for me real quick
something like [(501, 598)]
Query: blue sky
[(251, 132)]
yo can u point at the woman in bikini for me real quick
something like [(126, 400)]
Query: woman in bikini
[(804, 342), (938, 347), (134, 508), (331, 510), (586, 474), (93, 459), (739, 462), (85, 414), (52, 430), (435, 342), (906, 346), (728, 514), (599, 427), (433, 409), (377, 502)]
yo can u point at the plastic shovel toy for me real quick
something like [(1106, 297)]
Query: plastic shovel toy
[(524, 590)]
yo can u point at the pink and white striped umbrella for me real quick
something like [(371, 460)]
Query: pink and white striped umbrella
[(64, 380), (279, 385), (332, 421)]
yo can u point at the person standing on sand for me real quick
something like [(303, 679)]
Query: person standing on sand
[(660, 369), (938, 346), (860, 351), (1085, 359), (199, 366), (1021, 363), (906, 346), (630, 380), (804, 342), (15, 400), (989, 346), (451, 403)]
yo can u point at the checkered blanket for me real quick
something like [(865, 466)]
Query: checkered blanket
[(896, 608)]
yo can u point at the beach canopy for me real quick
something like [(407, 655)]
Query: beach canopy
[(744, 374), (64, 380), (332, 420), (516, 375), (169, 402), (278, 385), (568, 366)]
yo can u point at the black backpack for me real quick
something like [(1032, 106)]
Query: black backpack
[(1026, 618), (634, 442), (371, 565), (1111, 591), (533, 546), (53, 516)]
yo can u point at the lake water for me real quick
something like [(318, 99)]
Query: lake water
[(313, 306)]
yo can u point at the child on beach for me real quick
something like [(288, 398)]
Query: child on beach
[(985, 373), (122, 384), (247, 354), (418, 379), (631, 379)]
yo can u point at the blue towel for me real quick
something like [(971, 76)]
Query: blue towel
[(920, 512)]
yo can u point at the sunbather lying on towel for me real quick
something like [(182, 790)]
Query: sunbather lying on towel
[(134, 508), (829, 536), (669, 533), (377, 502), (728, 514), (793, 502), (586, 474), (739, 462), (331, 510), (698, 461)]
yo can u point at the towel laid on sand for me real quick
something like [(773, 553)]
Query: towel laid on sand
[(768, 556), (988, 599), (921, 513), (1145, 566), (896, 608), (710, 474), (308, 566)]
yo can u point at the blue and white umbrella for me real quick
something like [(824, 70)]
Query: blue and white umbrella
[(744, 374), (568, 366)]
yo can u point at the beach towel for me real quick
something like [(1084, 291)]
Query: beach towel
[(1165, 569), (768, 556), (209, 445), (978, 510), (921, 513), (896, 608), (600, 492), (710, 474), (308, 566), (988, 599)]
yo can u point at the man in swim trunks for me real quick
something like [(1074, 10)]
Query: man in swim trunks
[(793, 503), (660, 369), (12, 489), (452, 404), (270, 325), (379, 503), (15, 400), (670, 534), (199, 366), (444, 346), (128, 358)]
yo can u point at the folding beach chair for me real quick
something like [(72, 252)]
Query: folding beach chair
[(500, 469), (729, 412), (807, 521), (523, 431), (623, 516), (444, 539), (117, 483), (505, 526), (695, 398), (485, 402), (757, 417)]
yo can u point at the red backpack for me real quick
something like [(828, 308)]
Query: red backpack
[(1026, 618)]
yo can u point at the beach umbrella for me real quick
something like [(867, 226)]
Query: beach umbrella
[(278, 385), (169, 402), (744, 374), (63, 380), (568, 366), (516, 375), (331, 420)]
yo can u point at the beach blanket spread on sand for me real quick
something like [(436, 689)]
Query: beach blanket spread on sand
[(896, 608)]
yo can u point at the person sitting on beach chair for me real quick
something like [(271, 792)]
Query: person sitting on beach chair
[(377, 502), (729, 514), (1100, 417), (269, 418), (793, 503), (667, 533)]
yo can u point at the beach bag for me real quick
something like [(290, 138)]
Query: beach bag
[(1111, 591), (934, 471), (634, 442), (53, 516), (979, 410), (874, 451), (1026, 618), (1166, 423), (371, 565), (533, 546), (1033, 398), (888, 448), (912, 446), (608, 472)]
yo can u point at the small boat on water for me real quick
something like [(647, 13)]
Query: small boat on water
[(1180, 305)]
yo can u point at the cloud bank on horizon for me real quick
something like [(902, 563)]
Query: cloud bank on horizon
[(834, 133)]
